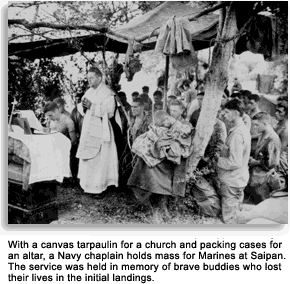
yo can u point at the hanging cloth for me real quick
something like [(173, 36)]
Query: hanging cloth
[(174, 40)]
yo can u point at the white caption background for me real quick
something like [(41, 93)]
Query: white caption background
[(160, 271)]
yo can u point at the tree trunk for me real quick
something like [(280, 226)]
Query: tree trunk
[(216, 81)]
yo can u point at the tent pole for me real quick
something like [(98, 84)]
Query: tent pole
[(166, 82)]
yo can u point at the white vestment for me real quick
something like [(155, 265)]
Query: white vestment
[(98, 165)]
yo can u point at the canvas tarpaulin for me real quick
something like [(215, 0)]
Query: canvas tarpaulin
[(203, 31)]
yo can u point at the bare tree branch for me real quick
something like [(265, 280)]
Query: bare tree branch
[(29, 4), (113, 5), (31, 26), (92, 62), (73, 8), (32, 34), (35, 18), (16, 37)]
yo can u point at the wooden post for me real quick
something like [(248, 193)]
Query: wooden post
[(166, 82), (196, 71)]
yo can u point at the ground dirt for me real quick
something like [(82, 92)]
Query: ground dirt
[(119, 207)]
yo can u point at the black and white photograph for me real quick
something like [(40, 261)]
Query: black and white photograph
[(147, 112)]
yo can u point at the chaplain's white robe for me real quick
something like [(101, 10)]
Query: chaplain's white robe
[(98, 165)]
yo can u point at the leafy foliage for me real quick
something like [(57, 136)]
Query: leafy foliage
[(110, 13), (32, 83), (146, 6), (277, 8), (280, 68)]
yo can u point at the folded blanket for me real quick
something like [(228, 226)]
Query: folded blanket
[(160, 143)]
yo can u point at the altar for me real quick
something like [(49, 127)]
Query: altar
[(36, 165)]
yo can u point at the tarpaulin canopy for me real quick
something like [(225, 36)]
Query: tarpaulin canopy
[(203, 30), (265, 35)]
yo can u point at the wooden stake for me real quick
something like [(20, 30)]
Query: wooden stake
[(166, 82), (12, 112)]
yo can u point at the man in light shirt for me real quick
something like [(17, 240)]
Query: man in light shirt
[(237, 86), (246, 118), (252, 110), (232, 164), (194, 106)]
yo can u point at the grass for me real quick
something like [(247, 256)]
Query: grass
[(119, 207)]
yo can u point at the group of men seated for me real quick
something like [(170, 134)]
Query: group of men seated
[(246, 152), (248, 147)]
